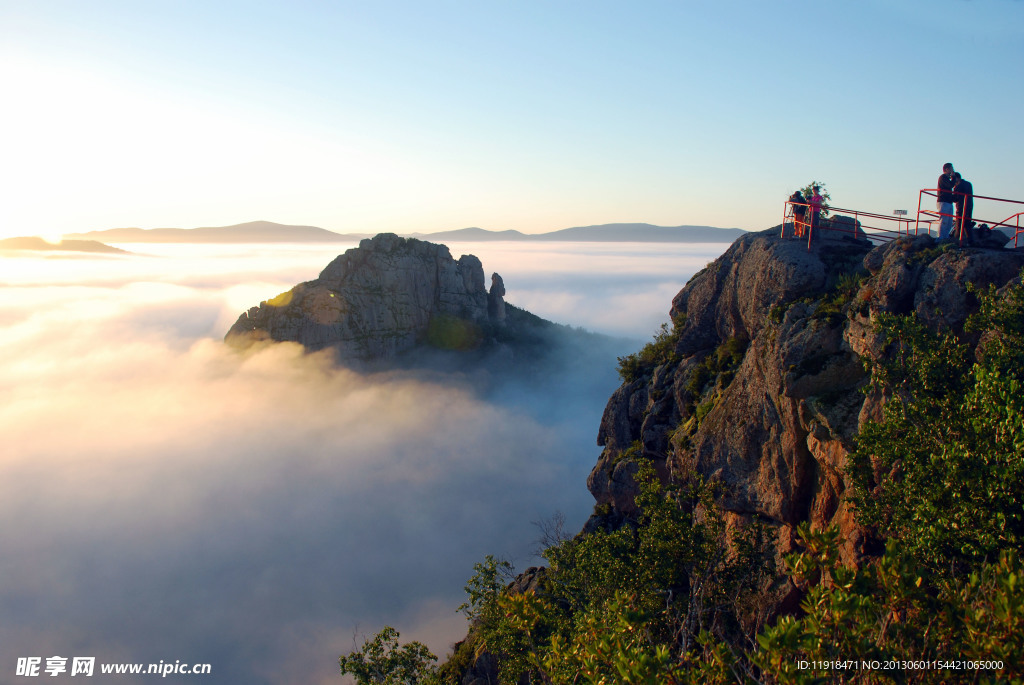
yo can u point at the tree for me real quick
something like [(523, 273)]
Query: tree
[(808, 191), (490, 577), (382, 661)]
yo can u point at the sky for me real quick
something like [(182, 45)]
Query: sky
[(409, 116), (164, 498)]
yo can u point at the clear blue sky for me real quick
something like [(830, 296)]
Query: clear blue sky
[(531, 115)]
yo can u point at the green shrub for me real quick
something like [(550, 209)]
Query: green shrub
[(719, 366), (944, 470), (704, 408), (661, 350), (448, 332), (890, 612)]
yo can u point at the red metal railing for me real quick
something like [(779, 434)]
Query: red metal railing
[(1018, 229), (1011, 222), (885, 232), (858, 228)]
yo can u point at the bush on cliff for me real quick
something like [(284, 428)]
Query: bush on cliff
[(943, 473), (661, 350), (894, 614)]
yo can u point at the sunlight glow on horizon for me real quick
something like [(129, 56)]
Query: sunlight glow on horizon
[(534, 117), (89, 138)]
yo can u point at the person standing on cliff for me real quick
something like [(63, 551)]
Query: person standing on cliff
[(799, 205), (816, 203), (963, 198), (944, 201)]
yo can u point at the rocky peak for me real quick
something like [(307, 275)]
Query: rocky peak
[(758, 386), (378, 300)]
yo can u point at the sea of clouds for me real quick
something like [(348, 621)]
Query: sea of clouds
[(165, 498)]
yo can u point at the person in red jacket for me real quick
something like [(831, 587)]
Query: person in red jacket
[(816, 203)]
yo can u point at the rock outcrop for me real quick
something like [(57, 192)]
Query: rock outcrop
[(496, 299), (383, 298), (759, 387)]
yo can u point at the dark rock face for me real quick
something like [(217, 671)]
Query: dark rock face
[(495, 299), (378, 300), (734, 294), (774, 426)]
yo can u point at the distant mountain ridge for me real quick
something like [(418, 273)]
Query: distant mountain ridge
[(36, 244), (610, 233), (270, 232), (250, 232)]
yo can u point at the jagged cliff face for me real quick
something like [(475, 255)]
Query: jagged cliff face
[(378, 300), (760, 388)]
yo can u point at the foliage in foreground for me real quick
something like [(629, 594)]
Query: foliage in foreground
[(382, 661), (969, 629), (627, 606), (890, 614)]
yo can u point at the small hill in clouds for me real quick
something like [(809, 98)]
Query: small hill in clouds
[(473, 234), (396, 301), (270, 232), (646, 233), (36, 244), (250, 232)]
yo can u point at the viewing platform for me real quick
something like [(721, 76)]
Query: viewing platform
[(882, 228)]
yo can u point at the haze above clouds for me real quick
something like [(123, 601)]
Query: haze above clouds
[(408, 116), (165, 498)]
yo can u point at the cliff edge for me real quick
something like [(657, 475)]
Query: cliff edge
[(758, 387)]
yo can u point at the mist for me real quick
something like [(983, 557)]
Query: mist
[(166, 498)]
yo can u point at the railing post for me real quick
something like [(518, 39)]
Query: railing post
[(917, 225), (959, 238)]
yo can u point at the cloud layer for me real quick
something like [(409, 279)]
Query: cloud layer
[(165, 498)]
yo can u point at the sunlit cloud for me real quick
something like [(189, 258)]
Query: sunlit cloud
[(621, 289), (161, 499), (164, 497)]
